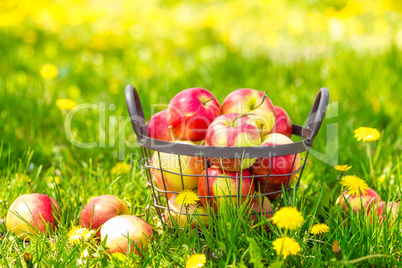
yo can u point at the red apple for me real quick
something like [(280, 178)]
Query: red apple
[(252, 101), (272, 191), (283, 124), (178, 217), (281, 166), (32, 213), (187, 165), (368, 200), (190, 113), (158, 127), (100, 209), (390, 209), (120, 229), (223, 183), (232, 130), (264, 209)]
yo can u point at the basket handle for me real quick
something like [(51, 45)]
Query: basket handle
[(135, 110), (317, 113)]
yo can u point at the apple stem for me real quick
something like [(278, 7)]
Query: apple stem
[(261, 133), (262, 101), (205, 102), (171, 133), (30, 186), (237, 117)]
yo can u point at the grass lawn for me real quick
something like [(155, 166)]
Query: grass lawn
[(37, 156)]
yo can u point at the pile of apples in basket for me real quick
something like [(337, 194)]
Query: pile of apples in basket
[(246, 118)]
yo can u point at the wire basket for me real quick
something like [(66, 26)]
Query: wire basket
[(270, 184)]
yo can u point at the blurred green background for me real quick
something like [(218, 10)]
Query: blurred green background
[(88, 51)]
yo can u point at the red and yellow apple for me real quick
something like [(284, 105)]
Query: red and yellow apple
[(33, 214), (272, 191), (233, 130), (251, 101), (390, 209), (120, 229), (283, 124), (280, 167), (190, 113), (356, 201), (262, 207), (178, 217), (222, 184), (187, 165), (158, 128), (100, 209)]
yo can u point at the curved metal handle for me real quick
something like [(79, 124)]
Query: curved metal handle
[(317, 113), (135, 111)]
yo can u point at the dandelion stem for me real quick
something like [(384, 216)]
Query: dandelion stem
[(369, 257)]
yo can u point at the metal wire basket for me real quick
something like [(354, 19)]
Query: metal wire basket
[(161, 194)]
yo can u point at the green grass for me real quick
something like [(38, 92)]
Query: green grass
[(364, 90)]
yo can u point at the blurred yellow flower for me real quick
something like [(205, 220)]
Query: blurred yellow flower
[(288, 218), (196, 260), (120, 168), (320, 228), (342, 168), (367, 134), (49, 71), (187, 197), (286, 246), (78, 234), (65, 104), (354, 184)]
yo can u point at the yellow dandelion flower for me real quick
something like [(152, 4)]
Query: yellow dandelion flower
[(49, 71), (286, 246), (78, 234), (120, 168), (354, 184), (342, 168), (288, 218), (187, 197), (196, 260), (65, 104), (320, 228), (367, 134), (119, 256)]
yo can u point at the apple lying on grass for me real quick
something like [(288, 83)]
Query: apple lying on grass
[(233, 130), (224, 183), (158, 128), (177, 215), (283, 124), (190, 113), (33, 214), (366, 200), (251, 101), (279, 167), (123, 231), (390, 209), (188, 165), (260, 207), (100, 209)]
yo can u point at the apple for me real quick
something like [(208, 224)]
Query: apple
[(390, 208), (281, 166), (33, 214), (272, 191), (368, 200), (223, 183), (188, 165), (283, 124), (190, 113), (100, 209), (178, 217), (252, 101), (120, 229), (264, 209), (158, 128), (233, 130)]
